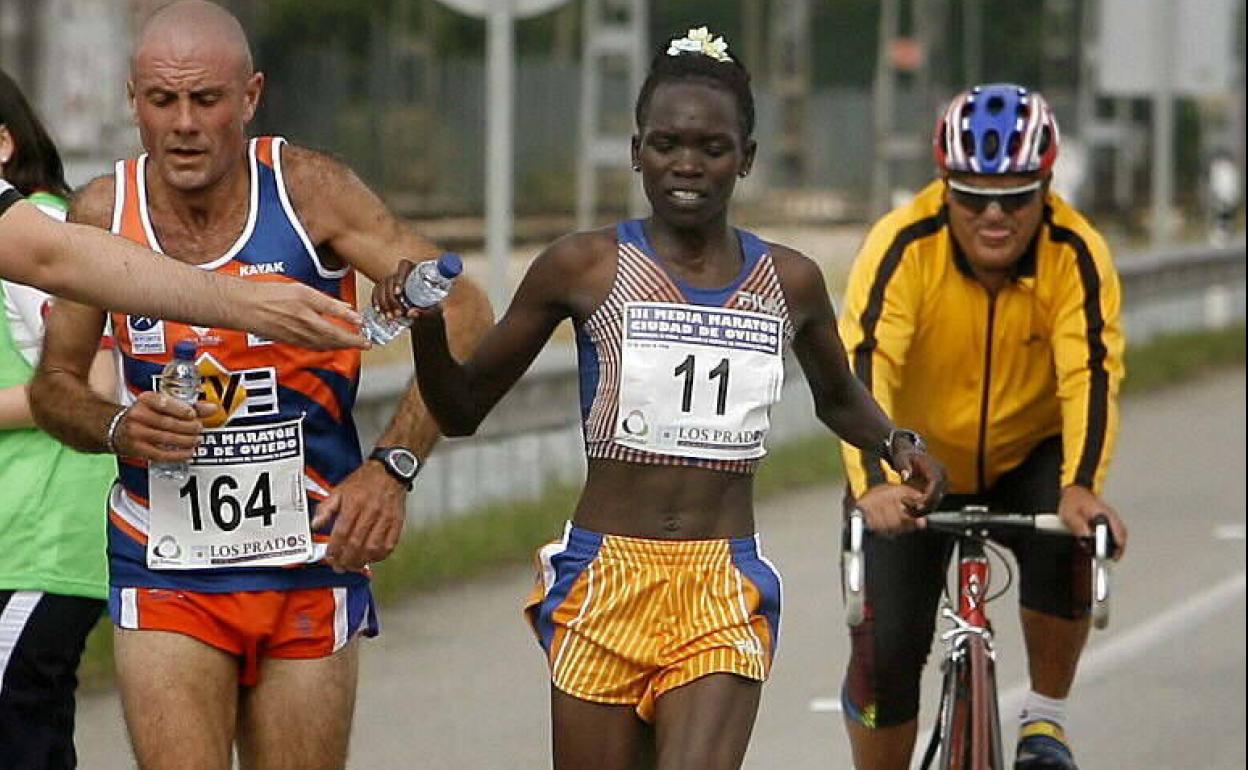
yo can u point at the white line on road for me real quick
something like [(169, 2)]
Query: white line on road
[(825, 705), (1229, 532), (1179, 618), (1100, 659)]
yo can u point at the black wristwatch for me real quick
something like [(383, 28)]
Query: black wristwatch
[(889, 446), (399, 462)]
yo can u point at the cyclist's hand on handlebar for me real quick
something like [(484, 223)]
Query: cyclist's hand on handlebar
[(926, 474), (892, 509), (1080, 505)]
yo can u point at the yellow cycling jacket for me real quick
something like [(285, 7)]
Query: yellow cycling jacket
[(984, 380)]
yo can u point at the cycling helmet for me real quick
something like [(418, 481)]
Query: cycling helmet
[(998, 128)]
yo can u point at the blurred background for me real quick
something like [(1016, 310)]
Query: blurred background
[(1149, 93), (495, 126)]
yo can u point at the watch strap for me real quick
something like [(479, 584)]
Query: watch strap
[(382, 454)]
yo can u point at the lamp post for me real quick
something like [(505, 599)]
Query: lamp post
[(500, 16)]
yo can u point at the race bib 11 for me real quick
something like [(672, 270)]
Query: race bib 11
[(698, 381)]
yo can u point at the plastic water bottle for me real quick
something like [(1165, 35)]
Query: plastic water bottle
[(179, 379), (427, 285)]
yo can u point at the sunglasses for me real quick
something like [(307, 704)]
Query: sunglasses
[(1010, 199)]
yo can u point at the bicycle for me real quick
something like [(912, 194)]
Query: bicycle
[(968, 729)]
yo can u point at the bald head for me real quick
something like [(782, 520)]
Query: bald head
[(193, 30), (194, 91)]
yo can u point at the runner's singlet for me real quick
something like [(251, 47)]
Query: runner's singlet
[(672, 374), (283, 435)]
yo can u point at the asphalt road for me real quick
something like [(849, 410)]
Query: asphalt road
[(455, 680)]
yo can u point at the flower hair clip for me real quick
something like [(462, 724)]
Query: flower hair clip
[(699, 40)]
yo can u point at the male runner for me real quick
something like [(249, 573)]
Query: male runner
[(235, 619)]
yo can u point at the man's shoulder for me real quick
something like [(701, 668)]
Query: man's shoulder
[(304, 168), (92, 203), (908, 226), (1072, 229)]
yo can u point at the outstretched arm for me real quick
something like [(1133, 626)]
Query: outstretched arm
[(460, 395), (91, 266), (63, 403)]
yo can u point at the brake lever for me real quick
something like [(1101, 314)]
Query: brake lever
[(852, 569), (1102, 560)]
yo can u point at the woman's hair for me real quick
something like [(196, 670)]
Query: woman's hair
[(35, 164), (672, 66)]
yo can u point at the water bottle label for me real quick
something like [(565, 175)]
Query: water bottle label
[(242, 505)]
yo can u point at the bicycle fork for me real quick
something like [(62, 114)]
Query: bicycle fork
[(970, 726)]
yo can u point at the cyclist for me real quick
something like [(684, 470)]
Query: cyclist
[(985, 313), (657, 607)]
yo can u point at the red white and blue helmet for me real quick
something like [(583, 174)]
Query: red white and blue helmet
[(999, 128)]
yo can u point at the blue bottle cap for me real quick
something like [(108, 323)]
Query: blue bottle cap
[(450, 265), (185, 350)]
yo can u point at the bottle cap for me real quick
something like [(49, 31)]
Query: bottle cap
[(185, 350), (450, 265)]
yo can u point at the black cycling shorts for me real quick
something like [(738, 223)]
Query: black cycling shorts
[(905, 577)]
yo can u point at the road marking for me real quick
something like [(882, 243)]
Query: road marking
[(825, 705), (1229, 532), (1101, 659), (1179, 618)]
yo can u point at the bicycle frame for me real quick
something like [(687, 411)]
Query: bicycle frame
[(970, 725)]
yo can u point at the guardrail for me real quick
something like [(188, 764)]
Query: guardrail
[(533, 437)]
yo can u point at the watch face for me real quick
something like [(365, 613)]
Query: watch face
[(404, 462)]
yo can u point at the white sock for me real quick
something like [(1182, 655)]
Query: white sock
[(1038, 707)]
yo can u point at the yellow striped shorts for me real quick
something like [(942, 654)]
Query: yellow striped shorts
[(624, 620)]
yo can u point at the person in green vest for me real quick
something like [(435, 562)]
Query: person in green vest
[(53, 565)]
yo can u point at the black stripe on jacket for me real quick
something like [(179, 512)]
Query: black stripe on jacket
[(863, 352), (1098, 384)]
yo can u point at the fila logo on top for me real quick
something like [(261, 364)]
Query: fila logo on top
[(236, 394), (748, 300)]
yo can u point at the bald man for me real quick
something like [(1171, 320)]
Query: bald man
[(239, 592)]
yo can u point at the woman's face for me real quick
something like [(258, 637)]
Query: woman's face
[(691, 152), (7, 148)]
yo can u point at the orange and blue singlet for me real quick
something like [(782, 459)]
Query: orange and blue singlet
[(256, 383)]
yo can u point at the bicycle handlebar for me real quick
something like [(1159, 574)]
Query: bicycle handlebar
[(977, 521)]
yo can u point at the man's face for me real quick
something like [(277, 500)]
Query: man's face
[(994, 216), (192, 104)]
